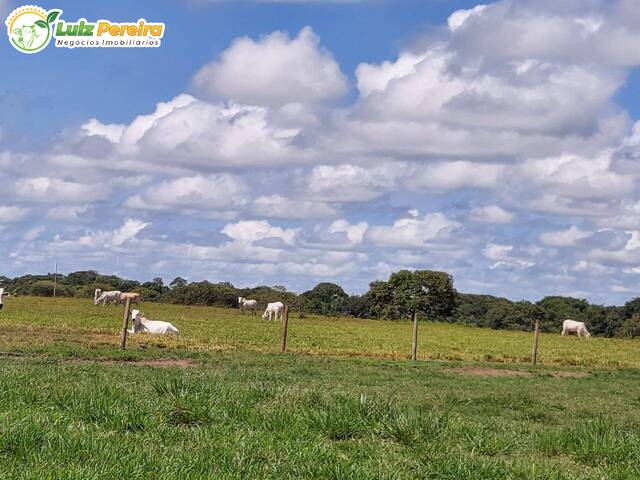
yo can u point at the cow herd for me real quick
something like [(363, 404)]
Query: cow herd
[(274, 311), (141, 324)]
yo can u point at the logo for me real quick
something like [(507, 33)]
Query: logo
[(31, 29)]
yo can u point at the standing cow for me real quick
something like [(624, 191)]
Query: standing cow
[(100, 297), (571, 326), (247, 305)]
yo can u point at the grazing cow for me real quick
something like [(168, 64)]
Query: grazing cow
[(571, 326), (135, 297), (245, 305), (1, 294), (100, 297), (154, 327), (273, 309)]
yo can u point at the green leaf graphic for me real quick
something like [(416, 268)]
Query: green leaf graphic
[(52, 16), (42, 24)]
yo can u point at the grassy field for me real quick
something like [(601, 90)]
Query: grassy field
[(37, 322), (345, 404)]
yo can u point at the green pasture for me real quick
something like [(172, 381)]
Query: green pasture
[(344, 403)]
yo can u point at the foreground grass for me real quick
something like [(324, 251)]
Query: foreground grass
[(32, 323), (249, 415), (343, 405)]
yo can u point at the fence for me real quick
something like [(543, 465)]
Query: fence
[(284, 336)]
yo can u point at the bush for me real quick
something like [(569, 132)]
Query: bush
[(44, 288), (631, 327)]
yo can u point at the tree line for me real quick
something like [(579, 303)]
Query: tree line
[(429, 293)]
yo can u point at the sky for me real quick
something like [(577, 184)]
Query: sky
[(293, 142)]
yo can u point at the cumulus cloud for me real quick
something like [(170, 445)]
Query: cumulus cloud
[(250, 231), (67, 213), (49, 189), (457, 174), (10, 213), (274, 70), (506, 256), (413, 232), (350, 183), (564, 238), (196, 193), (189, 133), (109, 240), (491, 214), (354, 232), (277, 206)]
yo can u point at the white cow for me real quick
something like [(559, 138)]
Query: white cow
[(250, 305), (1, 294), (154, 327), (571, 326), (276, 309), (106, 297)]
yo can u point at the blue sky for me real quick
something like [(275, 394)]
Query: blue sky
[(298, 142)]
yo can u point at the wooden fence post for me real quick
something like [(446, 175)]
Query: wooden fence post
[(414, 348), (536, 334), (285, 329), (125, 324)]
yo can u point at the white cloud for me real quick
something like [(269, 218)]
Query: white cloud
[(33, 233), (577, 177), (274, 70), (354, 232), (196, 193), (67, 213), (458, 18), (249, 231), (277, 206), (129, 230), (629, 254), (413, 232), (564, 238), (491, 214), (456, 174), (506, 257), (189, 133), (350, 183), (10, 213), (49, 189), (376, 78), (100, 242)]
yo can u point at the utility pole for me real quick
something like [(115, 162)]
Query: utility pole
[(55, 280)]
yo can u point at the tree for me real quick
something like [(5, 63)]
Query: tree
[(632, 307), (631, 327), (178, 282), (82, 277), (425, 291), (324, 299), (358, 306)]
